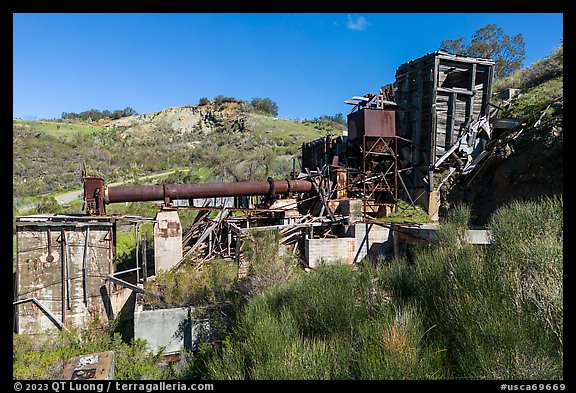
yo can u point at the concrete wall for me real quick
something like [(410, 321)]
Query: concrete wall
[(41, 277), (351, 208), (167, 240), (171, 328), (372, 240), (122, 303), (369, 240), (406, 235), (330, 250)]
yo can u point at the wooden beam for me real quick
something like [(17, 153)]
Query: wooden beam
[(457, 91), (450, 121), (470, 101)]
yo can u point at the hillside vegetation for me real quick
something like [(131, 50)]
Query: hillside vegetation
[(526, 162), (224, 141), (452, 311)]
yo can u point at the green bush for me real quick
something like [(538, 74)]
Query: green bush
[(540, 71), (321, 326), (456, 311), (264, 105), (48, 205), (498, 310), (266, 267), (529, 255), (36, 357), (212, 283)]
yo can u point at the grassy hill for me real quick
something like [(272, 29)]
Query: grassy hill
[(63, 130), (227, 142)]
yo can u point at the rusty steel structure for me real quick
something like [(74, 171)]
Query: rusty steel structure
[(405, 141), (362, 164)]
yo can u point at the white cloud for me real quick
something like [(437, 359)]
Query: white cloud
[(359, 23)]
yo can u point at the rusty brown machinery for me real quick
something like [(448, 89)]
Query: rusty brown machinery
[(97, 194)]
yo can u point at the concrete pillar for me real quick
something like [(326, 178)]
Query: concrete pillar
[(167, 240), (433, 205), (353, 209)]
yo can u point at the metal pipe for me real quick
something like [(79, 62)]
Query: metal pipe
[(67, 259), (144, 262), (214, 190), (64, 273), (84, 262)]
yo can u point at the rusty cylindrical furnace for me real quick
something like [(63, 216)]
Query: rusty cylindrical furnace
[(97, 194)]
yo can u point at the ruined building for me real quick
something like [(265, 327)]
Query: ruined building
[(404, 142)]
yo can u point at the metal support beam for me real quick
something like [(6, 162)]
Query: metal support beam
[(84, 262), (42, 307), (125, 284)]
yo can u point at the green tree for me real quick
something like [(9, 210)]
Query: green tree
[(493, 43), (264, 105), (116, 114), (128, 111)]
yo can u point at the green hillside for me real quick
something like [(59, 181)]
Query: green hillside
[(64, 130), (49, 155)]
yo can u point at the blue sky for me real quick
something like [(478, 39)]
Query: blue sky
[(307, 63)]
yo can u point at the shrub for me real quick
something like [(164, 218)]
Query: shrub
[(540, 71), (456, 311), (320, 327), (498, 310), (48, 205), (267, 267), (529, 254), (212, 283), (45, 357), (265, 106)]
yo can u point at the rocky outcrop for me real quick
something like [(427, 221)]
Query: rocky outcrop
[(185, 119), (526, 167)]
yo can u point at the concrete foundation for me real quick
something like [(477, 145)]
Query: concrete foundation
[(430, 201), (433, 202), (351, 208), (368, 240), (61, 266), (330, 251), (167, 239), (404, 235), (372, 241), (173, 329)]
